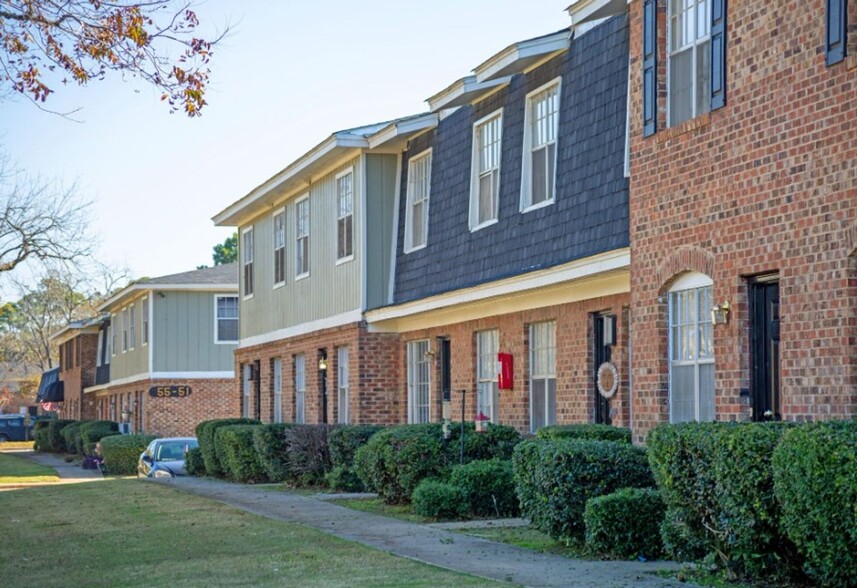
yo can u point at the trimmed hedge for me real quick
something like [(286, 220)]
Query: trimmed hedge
[(71, 436), (555, 478), (439, 500), (122, 452), (717, 482), (309, 454), (344, 441), (272, 450), (586, 431), (625, 523), (236, 453), (92, 432), (205, 437), (41, 440), (193, 464), (55, 440), (488, 487), (396, 459), (815, 481)]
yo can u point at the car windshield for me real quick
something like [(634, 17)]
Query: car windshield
[(174, 450)]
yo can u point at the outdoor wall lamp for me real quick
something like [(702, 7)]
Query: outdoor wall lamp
[(720, 313), (126, 412), (322, 364), (429, 355)]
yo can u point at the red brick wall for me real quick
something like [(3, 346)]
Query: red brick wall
[(574, 362), (78, 375), (766, 184), (372, 374)]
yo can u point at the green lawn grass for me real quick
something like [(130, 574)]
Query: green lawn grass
[(377, 506), (530, 538), (132, 533), (15, 469)]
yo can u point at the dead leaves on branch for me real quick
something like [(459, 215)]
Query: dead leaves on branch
[(45, 41)]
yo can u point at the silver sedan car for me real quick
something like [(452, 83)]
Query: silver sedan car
[(165, 457)]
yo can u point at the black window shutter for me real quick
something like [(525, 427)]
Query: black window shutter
[(718, 54), (650, 67), (837, 19)]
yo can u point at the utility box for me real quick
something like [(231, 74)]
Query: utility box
[(505, 371)]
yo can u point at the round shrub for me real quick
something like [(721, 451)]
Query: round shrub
[(815, 480), (71, 436), (586, 431), (499, 441), (309, 454), (205, 437), (272, 450), (439, 500), (625, 523), (121, 453), (92, 432), (194, 465), (488, 487), (345, 440), (343, 479), (55, 440), (237, 454), (555, 478)]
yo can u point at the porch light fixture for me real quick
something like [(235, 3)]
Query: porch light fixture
[(720, 314), (322, 364), (126, 412), (429, 355)]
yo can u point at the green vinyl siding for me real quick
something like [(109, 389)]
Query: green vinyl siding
[(381, 173), (134, 361), (183, 333)]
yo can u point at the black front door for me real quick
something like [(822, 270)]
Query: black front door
[(765, 349), (602, 352), (445, 368)]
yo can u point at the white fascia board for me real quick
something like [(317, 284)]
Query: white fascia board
[(146, 287), (222, 375), (464, 91), (231, 215), (402, 130), (119, 382), (70, 332), (582, 11), (575, 270), (353, 316), (517, 58)]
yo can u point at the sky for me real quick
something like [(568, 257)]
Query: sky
[(288, 74)]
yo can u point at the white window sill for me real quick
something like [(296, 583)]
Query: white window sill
[(345, 260), (235, 342), (417, 248), (483, 225), (537, 206), (247, 297), (278, 285), (301, 277)]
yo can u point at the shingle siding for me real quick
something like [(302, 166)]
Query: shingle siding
[(590, 215)]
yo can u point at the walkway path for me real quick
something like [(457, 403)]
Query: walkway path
[(68, 473), (432, 545)]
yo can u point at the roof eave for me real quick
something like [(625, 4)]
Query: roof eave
[(582, 11), (467, 90), (519, 57), (398, 133)]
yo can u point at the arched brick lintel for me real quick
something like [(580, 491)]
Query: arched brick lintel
[(684, 259)]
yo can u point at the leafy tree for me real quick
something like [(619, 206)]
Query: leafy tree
[(226, 252), (43, 42)]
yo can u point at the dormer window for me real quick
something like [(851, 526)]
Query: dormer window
[(541, 126)]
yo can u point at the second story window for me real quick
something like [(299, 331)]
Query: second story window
[(113, 346), (132, 328), (345, 216), (144, 322), (226, 318), (419, 187), (124, 330), (247, 260), (485, 170), (302, 232), (689, 59), (280, 247), (541, 123)]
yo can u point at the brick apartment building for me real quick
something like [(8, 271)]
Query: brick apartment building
[(743, 191), (78, 348)]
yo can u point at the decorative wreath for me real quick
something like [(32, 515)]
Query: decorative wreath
[(608, 379)]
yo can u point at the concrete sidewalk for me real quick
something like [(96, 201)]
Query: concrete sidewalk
[(69, 473), (428, 544)]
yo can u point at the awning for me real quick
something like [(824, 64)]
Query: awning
[(48, 386), (54, 393)]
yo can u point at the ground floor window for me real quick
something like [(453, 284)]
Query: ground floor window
[(300, 388), (542, 375), (691, 349), (277, 385), (487, 389), (247, 384), (342, 384), (419, 382)]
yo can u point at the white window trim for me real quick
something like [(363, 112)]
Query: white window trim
[(144, 321), (132, 328), (109, 343), (281, 210), (277, 390), (342, 388), (113, 336), (493, 407), (670, 53), (217, 340), (527, 152), (474, 174), (300, 416), (342, 174), (411, 369), (243, 264), (99, 348), (124, 330), (409, 200), (533, 377), (246, 389), (308, 235)]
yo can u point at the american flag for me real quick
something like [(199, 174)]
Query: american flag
[(50, 406)]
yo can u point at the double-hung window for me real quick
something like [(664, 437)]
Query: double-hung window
[(689, 59), (113, 336), (144, 321), (132, 329), (226, 319), (300, 388), (247, 384), (277, 385), (485, 174), (691, 349), (280, 247), (419, 382), (542, 375), (419, 188), (487, 389), (541, 126), (302, 236), (124, 330), (345, 216), (342, 383), (247, 260)]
